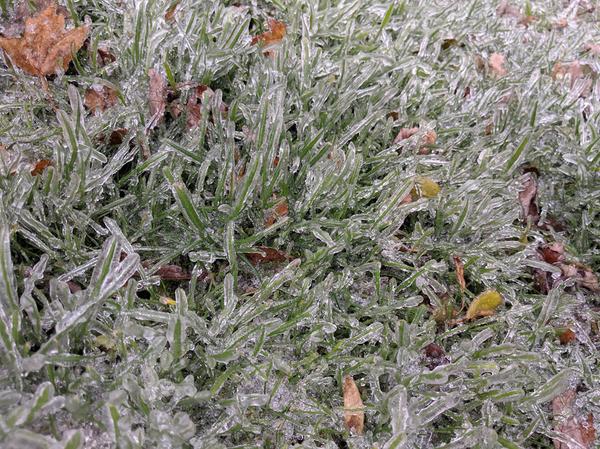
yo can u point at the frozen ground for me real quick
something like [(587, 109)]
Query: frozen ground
[(137, 311)]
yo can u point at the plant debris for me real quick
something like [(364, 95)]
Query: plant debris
[(46, 47), (578, 431), (98, 98), (354, 415), (484, 305)]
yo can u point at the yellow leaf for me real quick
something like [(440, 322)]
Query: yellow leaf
[(425, 187), (484, 305)]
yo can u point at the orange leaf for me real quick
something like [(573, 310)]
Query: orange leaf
[(170, 14), (99, 98), (354, 415), (275, 34), (566, 336), (280, 210), (460, 272), (46, 47), (40, 166)]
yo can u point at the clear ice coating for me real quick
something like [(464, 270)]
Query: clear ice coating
[(100, 349)]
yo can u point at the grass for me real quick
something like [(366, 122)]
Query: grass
[(249, 356)]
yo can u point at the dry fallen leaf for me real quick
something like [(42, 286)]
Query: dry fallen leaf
[(527, 198), (105, 56), (575, 71), (566, 336), (496, 63), (194, 105), (552, 253), (157, 97), (425, 188), (435, 356), (40, 166), (280, 210), (170, 14), (354, 415), (592, 48), (405, 133), (484, 305), (275, 34), (506, 9), (98, 98), (46, 47), (567, 423), (460, 272), (173, 273), (526, 20), (266, 255)]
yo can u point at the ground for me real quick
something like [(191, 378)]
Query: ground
[(219, 210)]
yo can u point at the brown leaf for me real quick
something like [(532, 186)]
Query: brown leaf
[(592, 48), (570, 425), (526, 20), (194, 105), (280, 210), (173, 273), (552, 253), (405, 133), (566, 336), (460, 272), (170, 14), (115, 137), (105, 56), (435, 356), (507, 9), (496, 63), (560, 24), (98, 98), (275, 34), (582, 274), (354, 415), (527, 198), (46, 47), (575, 71), (157, 96), (266, 255), (40, 166)]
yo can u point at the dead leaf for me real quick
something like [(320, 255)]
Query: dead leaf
[(581, 274), (552, 253), (460, 272), (173, 273), (484, 305), (194, 105), (575, 71), (496, 64), (275, 34), (405, 133), (279, 211), (527, 198), (566, 336), (115, 137), (105, 56), (425, 188), (526, 20), (170, 14), (592, 48), (40, 166), (507, 9), (560, 24), (46, 47), (98, 98), (266, 255), (435, 356), (354, 415), (568, 423), (157, 97)]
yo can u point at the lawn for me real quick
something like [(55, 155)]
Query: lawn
[(300, 224)]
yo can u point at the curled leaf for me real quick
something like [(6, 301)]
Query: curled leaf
[(460, 272), (484, 305), (157, 96), (527, 198), (354, 415), (46, 47)]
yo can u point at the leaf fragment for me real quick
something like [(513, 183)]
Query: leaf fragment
[(496, 64), (354, 415), (460, 272), (267, 255), (40, 166), (484, 305), (46, 47), (273, 36), (579, 433), (98, 98), (157, 97), (279, 211), (425, 187), (527, 198)]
